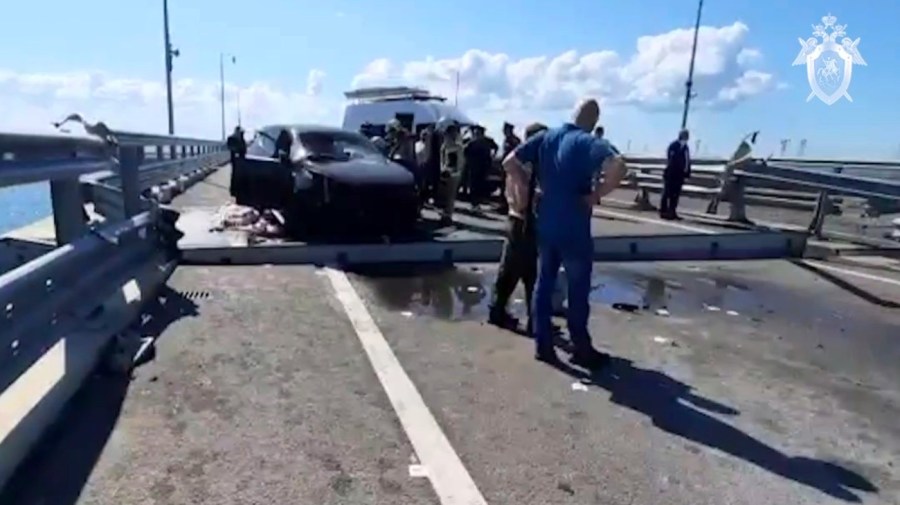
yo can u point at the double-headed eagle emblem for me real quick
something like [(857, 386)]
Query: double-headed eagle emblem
[(829, 75)]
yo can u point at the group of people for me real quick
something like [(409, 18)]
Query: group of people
[(448, 162), (551, 183), (554, 179)]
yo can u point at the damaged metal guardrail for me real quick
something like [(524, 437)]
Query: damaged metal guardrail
[(176, 164), (65, 304), (822, 187)]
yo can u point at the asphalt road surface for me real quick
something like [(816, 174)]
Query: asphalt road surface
[(733, 382)]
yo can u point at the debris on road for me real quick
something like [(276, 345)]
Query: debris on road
[(579, 386), (665, 341), (732, 312), (662, 312), (712, 308), (266, 224), (417, 471)]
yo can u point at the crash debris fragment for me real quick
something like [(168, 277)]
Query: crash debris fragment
[(265, 224)]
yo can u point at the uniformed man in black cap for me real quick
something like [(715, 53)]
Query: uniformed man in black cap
[(479, 156), (237, 149)]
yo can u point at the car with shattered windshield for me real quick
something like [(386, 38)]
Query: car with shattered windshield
[(326, 180)]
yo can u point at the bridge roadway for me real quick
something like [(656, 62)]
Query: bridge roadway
[(766, 382)]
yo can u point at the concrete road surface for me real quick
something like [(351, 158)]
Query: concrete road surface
[(761, 382), (733, 382)]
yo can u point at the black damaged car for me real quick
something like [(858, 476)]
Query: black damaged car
[(326, 180)]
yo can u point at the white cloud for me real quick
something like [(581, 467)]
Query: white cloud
[(652, 78), (30, 101), (493, 87)]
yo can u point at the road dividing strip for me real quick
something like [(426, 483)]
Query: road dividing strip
[(708, 231), (449, 478)]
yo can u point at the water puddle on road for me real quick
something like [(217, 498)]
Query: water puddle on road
[(445, 293), (673, 293), (464, 293)]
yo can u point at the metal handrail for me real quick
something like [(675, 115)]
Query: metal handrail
[(815, 180), (149, 139), (889, 164), (69, 161), (15, 172)]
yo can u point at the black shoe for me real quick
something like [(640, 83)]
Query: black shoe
[(503, 320), (591, 359), (548, 356)]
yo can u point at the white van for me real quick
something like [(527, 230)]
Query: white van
[(415, 108)]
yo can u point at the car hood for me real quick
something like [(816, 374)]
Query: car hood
[(362, 171)]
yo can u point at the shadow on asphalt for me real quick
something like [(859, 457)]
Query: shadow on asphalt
[(59, 467), (848, 286), (673, 408)]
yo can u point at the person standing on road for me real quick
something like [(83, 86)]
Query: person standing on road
[(678, 170), (402, 148), (432, 168), (567, 159), (479, 156), (451, 171), (510, 142), (237, 149), (520, 253)]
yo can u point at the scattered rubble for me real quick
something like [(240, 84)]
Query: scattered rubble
[(265, 224)]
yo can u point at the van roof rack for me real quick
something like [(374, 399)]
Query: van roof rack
[(391, 93)]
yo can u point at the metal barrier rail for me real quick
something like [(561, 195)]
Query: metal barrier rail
[(112, 168), (64, 306), (778, 182)]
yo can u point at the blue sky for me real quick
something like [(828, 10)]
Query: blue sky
[(278, 43)]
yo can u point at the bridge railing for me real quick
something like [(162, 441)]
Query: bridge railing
[(845, 199), (64, 303)]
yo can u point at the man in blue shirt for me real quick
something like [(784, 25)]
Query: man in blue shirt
[(568, 160)]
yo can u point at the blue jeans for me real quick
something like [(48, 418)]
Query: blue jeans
[(577, 257)]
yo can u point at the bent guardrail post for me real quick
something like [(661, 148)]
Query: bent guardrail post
[(732, 187), (824, 208), (736, 196), (642, 198)]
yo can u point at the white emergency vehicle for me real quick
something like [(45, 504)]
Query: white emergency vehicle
[(414, 108)]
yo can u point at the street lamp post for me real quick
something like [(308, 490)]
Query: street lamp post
[(690, 80), (170, 53), (222, 90)]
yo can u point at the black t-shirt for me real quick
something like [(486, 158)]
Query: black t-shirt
[(478, 151)]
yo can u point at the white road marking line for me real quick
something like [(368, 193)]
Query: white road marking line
[(448, 475), (855, 273), (697, 229)]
